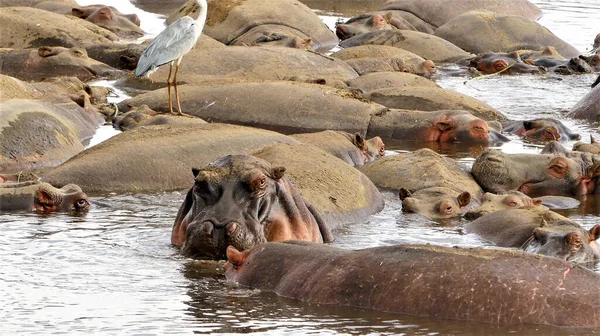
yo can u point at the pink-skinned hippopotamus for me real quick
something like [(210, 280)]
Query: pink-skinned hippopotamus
[(484, 285), (45, 62), (541, 130), (42, 197), (504, 63), (593, 147), (538, 174), (242, 201), (108, 17), (538, 230), (516, 199)]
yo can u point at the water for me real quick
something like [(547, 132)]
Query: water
[(113, 271)]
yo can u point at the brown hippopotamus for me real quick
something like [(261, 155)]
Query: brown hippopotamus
[(537, 174), (438, 126), (379, 80), (543, 130), (574, 65), (363, 24), (482, 31), (503, 63), (541, 231), (144, 116), (353, 149), (116, 55), (45, 62), (428, 183), (516, 199), (492, 286), (274, 35), (42, 197), (425, 45), (432, 99), (588, 107), (593, 147), (240, 200), (108, 17)]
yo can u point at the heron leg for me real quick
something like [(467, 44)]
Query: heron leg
[(176, 91), (169, 88)]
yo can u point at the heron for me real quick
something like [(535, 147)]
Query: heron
[(170, 46)]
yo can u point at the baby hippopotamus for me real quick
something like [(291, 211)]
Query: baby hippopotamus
[(42, 197)]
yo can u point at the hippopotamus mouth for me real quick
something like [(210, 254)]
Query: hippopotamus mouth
[(207, 240)]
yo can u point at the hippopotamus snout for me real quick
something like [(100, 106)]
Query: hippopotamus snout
[(208, 239), (525, 68)]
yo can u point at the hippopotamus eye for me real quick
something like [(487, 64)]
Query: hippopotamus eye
[(78, 53), (82, 202), (263, 182), (512, 203)]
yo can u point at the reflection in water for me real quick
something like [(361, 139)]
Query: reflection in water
[(113, 271)]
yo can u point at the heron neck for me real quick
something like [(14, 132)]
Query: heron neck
[(201, 20)]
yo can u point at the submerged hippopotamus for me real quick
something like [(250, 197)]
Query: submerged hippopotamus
[(45, 62), (574, 65), (492, 286), (363, 24), (516, 199), (42, 197), (275, 36), (354, 149), (593, 147), (540, 231), (503, 63), (537, 174), (108, 17), (242, 201), (543, 129)]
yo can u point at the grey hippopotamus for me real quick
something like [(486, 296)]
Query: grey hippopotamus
[(540, 231), (438, 126), (363, 24), (516, 199), (353, 149), (45, 62), (242, 201), (588, 107), (108, 17), (274, 35), (428, 183), (543, 130), (116, 55), (42, 197), (380, 80), (451, 283), (593, 147), (574, 65), (537, 174), (504, 63)]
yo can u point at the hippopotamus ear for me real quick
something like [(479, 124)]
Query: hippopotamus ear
[(444, 126), (528, 125), (133, 18), (404, 193), (595, 232), (358, 141), (574, 241), (235, 257), (592, 139), (388, 17), (464, 199), (277, 172), (537, 201), (47, 51), (81, 12), (195, 171)]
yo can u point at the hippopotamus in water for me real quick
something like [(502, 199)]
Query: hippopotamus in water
[(276, 36), (42, 197), (108, 17), (435, 203), (504, 63), (543, 129), (537, 174), (491, 286), (597, 42), (44, 62), (574, 65), (362, 24), (589, 106), (540, 231), (516, 199), (354, 149), (241, 200), (593, 147)]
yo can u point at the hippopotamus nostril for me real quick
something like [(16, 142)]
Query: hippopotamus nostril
[(207, 228), (231, 228)]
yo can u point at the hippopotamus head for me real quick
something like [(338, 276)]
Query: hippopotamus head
[(565, 240), (510, 200), (505, 63), (240, 200), (69, 198), (593, 61), (593, 147), (110, 18), (370, 149), (362, 25), (543, 130), (461, 127), (435, 203), (573, 66)]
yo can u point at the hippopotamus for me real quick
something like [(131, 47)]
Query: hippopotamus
[(543, 130), (353, 149), (593, 61), (18, 177), (380, 58), (516, 199), (428, 183), (379, 80), (574, 65), (537, 174), (588, 107), (108, 17), (485, 285), (44, 62), (593, 147), (116, 55), (425, 45), (438, 126), (274, 35), (240, 200), (504, 63), (42, 197), (231, 19), (482, 31), (144, 116), (362, 24), (19, 31)]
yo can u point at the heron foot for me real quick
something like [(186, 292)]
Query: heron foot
[(179, 113)]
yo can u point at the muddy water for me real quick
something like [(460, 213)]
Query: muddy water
[(114, 272)]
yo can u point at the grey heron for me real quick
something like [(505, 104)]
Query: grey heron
[(169, 47)]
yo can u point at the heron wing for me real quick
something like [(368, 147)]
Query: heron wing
[(173, 42)]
